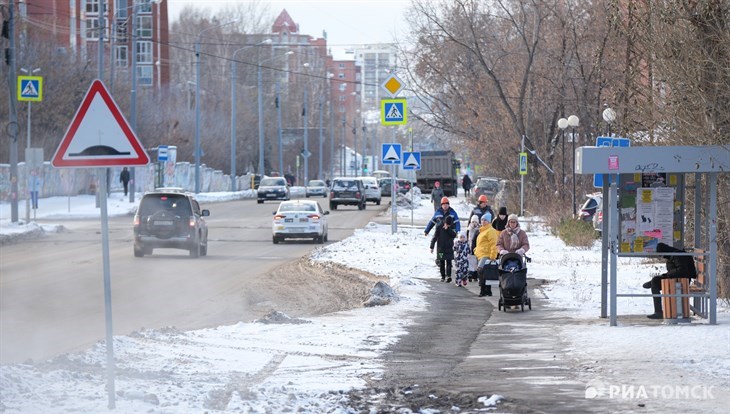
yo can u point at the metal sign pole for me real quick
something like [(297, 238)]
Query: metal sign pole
[(107, 291)]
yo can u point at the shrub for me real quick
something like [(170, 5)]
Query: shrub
[(576, 233)]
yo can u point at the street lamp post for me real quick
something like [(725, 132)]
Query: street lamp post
[(197, 101), (609, 116), (573, 122), (234, 77), (562, 124), (261, 112)]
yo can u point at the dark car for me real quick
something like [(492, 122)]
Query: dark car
[(272, 188), (347, 191), (488, 186), (170, 218), (402, 185)]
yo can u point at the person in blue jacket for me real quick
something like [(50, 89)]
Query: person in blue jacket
[(438, 216)]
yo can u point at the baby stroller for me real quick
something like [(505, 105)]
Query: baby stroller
[(513, 282)]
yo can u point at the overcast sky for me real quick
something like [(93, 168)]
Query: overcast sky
[(348, 23)]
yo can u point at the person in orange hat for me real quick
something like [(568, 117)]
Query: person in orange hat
[(440, 215), (481, 208), (436, 195)]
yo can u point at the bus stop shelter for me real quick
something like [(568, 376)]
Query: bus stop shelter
[(645, 203)]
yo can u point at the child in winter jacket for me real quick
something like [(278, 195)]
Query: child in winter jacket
[(461, 249), (443, 238)]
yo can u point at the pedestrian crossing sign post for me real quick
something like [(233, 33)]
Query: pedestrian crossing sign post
[(391, 154), (393, 111), (523, 163), (412, 160), (30, 88)]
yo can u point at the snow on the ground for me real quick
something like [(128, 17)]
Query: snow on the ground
[(305, 365)]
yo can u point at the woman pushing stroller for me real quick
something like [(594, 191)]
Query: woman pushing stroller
[(513, 239)]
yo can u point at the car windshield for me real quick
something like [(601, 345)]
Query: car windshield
[(270, 182), (345, 185), (297, 207), (153, 203), (316, 184)]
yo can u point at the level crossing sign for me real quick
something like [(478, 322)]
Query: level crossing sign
[(608, 142), (99, 135), (412, 160), (393, 111), (391, 154), (30, 88)]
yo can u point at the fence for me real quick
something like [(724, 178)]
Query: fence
[(73, 181)]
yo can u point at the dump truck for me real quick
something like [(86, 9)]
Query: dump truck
[(439, 166)]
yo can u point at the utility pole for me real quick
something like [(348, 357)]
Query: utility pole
[(12, 127)]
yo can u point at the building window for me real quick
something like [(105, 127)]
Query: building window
[(144, 52), (343, 87), (144, 75), (92, 6), (121, 58), (91, 28), (342, 65), (122, 11), (145, 6), (342, 109), (144, 27), (341, 75)]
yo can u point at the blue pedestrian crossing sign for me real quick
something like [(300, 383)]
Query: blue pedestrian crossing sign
[(608, 142), (393, 111), (391, 154), (412, 160), (30, 88), (523, 163)]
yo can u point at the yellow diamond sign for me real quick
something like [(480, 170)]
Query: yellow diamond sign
[(393, 85)]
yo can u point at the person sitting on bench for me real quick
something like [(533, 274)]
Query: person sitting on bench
[(677, 267)]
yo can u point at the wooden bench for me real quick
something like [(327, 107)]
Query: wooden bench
[(669, 304), (700, 286)]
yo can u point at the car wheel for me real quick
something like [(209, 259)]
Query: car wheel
[(204, 248), (333, 206), (307, 195), (260, 201), (195, 249), (325, 237), (275, 240), (377, 202), (138, 252), (319, 239)]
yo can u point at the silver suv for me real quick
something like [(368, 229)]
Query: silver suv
[(170, 218)]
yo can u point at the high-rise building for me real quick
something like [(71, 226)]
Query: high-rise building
[(376, 63)]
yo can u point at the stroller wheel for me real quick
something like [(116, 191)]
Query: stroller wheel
[(529, 304), (499, 305), (523, 307)]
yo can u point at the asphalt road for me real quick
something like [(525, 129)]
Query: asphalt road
[(51, 288)]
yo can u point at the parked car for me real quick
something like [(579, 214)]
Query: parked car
[(488, 186), (316, 188), (347, 191), (272, 188), (170, 218), (402, 185), (385, 186), (592, 210), (299, 219), (372, 189)]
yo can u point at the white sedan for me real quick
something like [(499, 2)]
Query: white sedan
[(297, 219)]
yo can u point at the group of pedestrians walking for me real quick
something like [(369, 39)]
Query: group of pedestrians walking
[(476, 250)]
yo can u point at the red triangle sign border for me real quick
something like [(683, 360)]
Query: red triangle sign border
[(138, 158)]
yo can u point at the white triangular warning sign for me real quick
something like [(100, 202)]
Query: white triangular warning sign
[(391, 154), (411, 160), (393, 112), (99, 135), (30, 90)]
